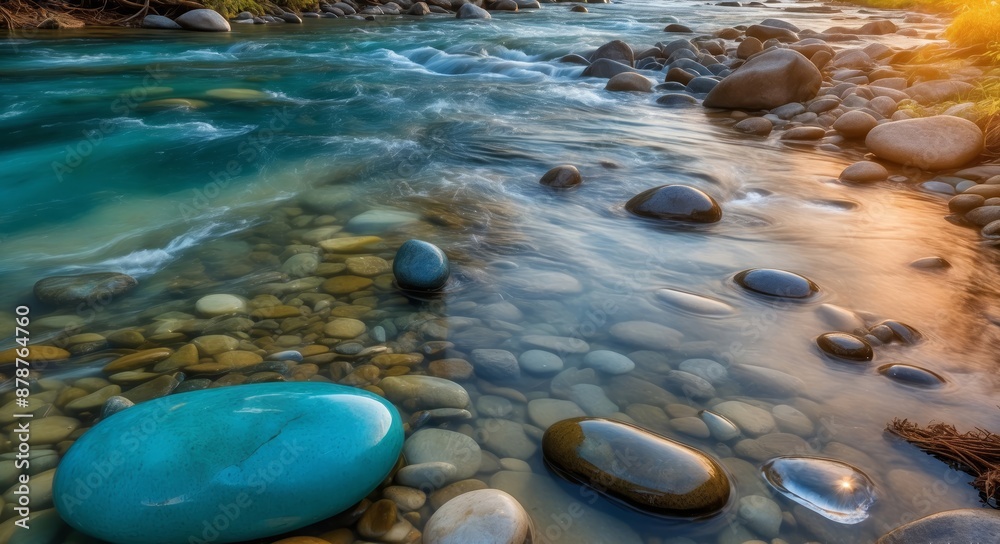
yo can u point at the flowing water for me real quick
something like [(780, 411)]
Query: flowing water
[(456, 121)]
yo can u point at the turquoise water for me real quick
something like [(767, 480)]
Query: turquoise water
[(456, 121)]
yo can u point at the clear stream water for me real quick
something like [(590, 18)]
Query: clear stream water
[(457, 120)]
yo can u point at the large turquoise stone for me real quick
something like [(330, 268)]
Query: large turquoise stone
[(228, 464)]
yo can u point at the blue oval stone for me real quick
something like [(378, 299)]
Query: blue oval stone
[(420, 266), (228, 465)]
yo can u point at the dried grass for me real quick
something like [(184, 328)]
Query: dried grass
[(975, 452)]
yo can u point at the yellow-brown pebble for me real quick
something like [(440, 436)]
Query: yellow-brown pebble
[(140, 359), (343, 285)]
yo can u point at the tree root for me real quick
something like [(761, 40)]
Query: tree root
[(976, 452)]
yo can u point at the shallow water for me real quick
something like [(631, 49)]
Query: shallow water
[(457, 121)]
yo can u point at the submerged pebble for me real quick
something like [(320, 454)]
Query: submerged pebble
[(660, 476)]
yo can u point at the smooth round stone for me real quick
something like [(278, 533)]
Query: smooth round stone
[(51, 430), (345, 285), (721, 428), (540, 363), (288, 355), (114, 405), (485, 516), (840, 319), (36, 354), (506, 438), (865, 172), (426, 476), (659, 476), (592, 399), (495, 365), (214, 344), (706, 369), (608, 362), (911, 375), (695, 304), (345, 328), (379, 221), (834, 490), (420, 266), (439, 445), (760, 514), (216, 305), (301, 265), (791, 420), (547, 501), (97, 288), (546, 412), (646, 335), (776, 283), (931, 263), (561, 177), (845, 346), (751, 420), (425, 392), (675, 202), (494, 406), (209, 452), (558, 344), (964, 526)]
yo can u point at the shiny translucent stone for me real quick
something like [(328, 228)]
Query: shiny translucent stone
[(832, 489)]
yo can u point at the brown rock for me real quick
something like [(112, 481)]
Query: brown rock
[(773, 78), (343, 285), (561, 177), (137, 360), (659, 476)]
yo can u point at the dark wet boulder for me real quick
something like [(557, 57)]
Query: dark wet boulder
[(419, 9), (573, 58), (96, 288), (677, 203), (771, 79), (661, 477), (472, 11), (764, 33), (845, 346), (911, 375), (159, 22), (561, 177), (677, 28), (617, 51), (629, 81), (606, 68), (674, 100), (776, 283)]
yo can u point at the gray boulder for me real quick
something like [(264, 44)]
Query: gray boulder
[(472, 11), (205, 20), (159, 22)]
